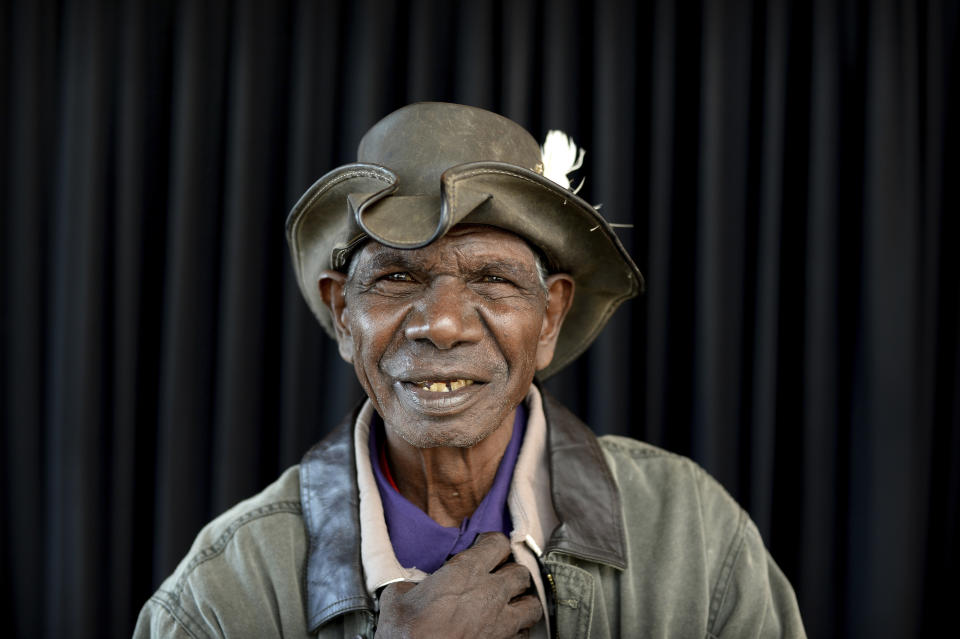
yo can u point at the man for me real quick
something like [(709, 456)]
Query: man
[(453, 264)]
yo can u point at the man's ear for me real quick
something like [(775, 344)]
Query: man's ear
[(559, 298), (332, 285)]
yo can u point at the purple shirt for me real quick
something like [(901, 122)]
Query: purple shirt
[(420, 541)]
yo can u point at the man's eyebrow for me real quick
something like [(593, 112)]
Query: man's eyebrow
[(501, 266), (388, 259)]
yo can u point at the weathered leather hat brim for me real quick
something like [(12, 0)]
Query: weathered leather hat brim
[(359, 201)]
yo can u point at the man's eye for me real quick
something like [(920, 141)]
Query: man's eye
[(398, 277), (494, 279)]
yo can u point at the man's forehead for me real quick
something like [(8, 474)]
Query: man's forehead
[(467, 242)]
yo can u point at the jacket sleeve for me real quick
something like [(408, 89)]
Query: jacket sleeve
[(156, 621), (753, 597)]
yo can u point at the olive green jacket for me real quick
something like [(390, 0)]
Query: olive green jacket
[(649, 545)]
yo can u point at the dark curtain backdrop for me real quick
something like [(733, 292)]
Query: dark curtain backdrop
[(790, 170)]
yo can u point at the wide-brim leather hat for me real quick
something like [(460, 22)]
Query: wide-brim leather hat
[(429, 166)]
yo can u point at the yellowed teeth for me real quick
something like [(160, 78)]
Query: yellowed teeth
[(445, 387)]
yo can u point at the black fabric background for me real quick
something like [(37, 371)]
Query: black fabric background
[(790, 169)]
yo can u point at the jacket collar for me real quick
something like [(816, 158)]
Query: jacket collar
[(330, 502), (585, 498)]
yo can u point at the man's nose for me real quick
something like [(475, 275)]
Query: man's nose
[(445, 316)]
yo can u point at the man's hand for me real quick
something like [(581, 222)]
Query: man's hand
[(467, 597)]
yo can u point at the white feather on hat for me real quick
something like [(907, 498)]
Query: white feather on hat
[(560, 157)]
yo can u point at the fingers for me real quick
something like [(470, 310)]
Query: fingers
[(487, 560), (391, 591), (515, 579), (488, 551), (525, 611), (521, 611), (456, 603)]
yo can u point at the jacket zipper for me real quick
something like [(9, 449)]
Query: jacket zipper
[(547, 577)]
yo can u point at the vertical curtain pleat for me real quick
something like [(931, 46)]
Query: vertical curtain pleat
[(560, 73), (942, 78), (788, 170), (253, 181), (31, 51), (130, 166), (787, 459), (77, 433), (889, 325), (658, 272), (766, 274), (821, 415), (474, 48), (369, 74), (429, 50), (191, 295), (720, 242), (611, 82), (519, 59)]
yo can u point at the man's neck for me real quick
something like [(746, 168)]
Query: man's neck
[(447, 483)]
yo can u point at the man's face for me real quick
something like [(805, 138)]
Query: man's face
[(446, 339)]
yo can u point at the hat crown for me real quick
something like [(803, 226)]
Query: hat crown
[(421, 141), (429, 166)]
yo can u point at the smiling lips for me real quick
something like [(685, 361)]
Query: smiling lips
[(444, 387)]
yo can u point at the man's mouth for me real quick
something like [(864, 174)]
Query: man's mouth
[(444, 386), (440, 393)]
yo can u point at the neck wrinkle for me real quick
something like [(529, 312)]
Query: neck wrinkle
[(448, 484)]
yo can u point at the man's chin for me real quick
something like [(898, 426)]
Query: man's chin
[(434, 435), (451, 429)]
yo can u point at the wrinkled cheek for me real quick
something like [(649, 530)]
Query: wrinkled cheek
[(375, 385), (360, 367), (526, 358)]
